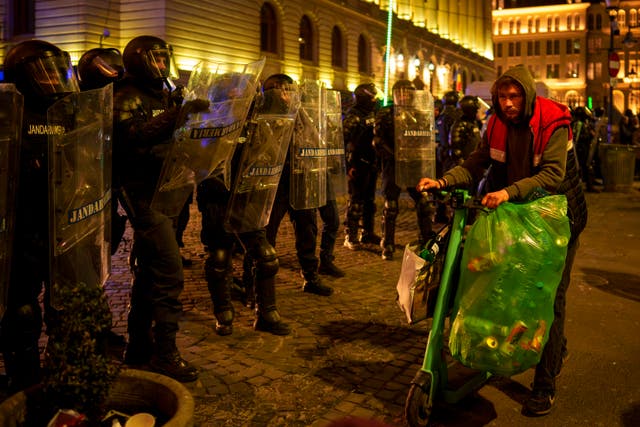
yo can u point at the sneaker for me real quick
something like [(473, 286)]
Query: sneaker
[(317, 287), (370, 238), (174, 366), (539, 403), (330, 269), (353, 245)]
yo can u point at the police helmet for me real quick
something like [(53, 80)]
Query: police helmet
[(100, 66), (365, 95), (450, 98), (469, 105), (149, 58), (275, 81), (403, 92), (41, 70)]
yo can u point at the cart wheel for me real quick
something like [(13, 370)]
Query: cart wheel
[(417, 409)]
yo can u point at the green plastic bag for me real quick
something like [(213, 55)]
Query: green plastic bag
[(511, 266)]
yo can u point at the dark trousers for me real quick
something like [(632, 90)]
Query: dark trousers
[(330, 224), (157, 284), (305, 226), (551, 361)]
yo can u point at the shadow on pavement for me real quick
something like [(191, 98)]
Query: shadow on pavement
[(619, 284)]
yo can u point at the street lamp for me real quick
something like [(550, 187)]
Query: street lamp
[(613, 31)]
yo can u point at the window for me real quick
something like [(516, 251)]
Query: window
[(590, 25), (268, 29), (530, 25), (556, 24), (536, 47), (364, 55), (553, 71), (549, 24), (569, 22), (306, 39), (529, 48), (499, 50), (518, 49), (337, 49), (577, 22), (537, 25), (598, 22), (24, 18)]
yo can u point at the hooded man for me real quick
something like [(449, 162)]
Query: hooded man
[(528, 144)]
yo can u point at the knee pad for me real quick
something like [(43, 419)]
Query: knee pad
[(390, 210), (355, 210), (267, 264), (218, 264)]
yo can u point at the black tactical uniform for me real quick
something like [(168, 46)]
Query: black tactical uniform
[(384, 142), (305, 221), (362, 170), (144, 122), (465, 133), (43, 74), (584, 137)]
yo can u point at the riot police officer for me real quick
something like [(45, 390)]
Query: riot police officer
[(261, 262), (465, 133), (42, 72), (304, 220), (384, 142), (97, 68), (449, 114), (362, 171), (144, 120), (584, 136)]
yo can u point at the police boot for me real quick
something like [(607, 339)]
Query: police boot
[(166, 359), (368, 236), (354, 212), (267, 316), (218, 273), (328, 267), (389, 215), (222, 307)]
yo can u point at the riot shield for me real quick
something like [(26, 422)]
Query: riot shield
[(80, 149), (204, 141), (308, 183), (262, 159), (415, 147), (11, 103), (334, 137)]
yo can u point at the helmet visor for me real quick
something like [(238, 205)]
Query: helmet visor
[(160, 64), (404, 96), (53, 75)]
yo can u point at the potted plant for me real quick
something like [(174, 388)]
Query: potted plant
[(80, 376)]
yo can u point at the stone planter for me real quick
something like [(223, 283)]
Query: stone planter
[(133, 391)]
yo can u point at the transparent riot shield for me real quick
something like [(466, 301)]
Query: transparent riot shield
[(308, 183), (205, 141), (11, 103), (262, 160), (415, 147), (334, 137), (80, 149)]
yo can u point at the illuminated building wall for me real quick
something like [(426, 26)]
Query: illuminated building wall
[(566, 46), (431, 42)]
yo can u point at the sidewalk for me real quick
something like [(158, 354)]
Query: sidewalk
[(353, 354)]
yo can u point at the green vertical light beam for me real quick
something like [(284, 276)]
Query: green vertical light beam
[(387, 54)]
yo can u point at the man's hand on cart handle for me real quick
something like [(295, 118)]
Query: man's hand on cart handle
[(426, 184)]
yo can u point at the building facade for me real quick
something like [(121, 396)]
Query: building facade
[(568, 47), (342, 43)]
